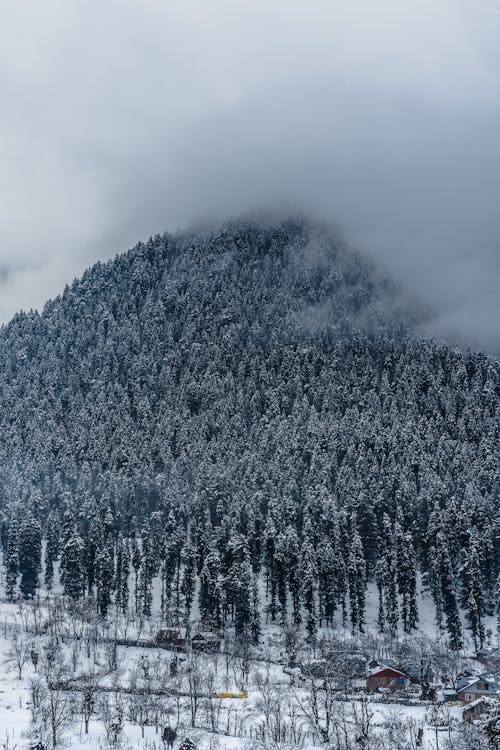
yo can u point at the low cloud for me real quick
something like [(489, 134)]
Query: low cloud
[(121, 119)]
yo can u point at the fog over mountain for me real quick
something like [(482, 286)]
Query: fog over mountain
[(119, 120)]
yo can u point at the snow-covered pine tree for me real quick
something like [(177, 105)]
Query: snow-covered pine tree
[(30, 550), (72, 566)]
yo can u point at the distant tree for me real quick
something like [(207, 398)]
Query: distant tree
[(52, 548), (30, 550), (104, 579), (72, 566), (11, 559)]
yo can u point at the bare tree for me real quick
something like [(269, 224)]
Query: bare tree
[(196, 679), (318, 707), (88, 698), (112, 713), (56, 706), (362, 722), (18, 654)]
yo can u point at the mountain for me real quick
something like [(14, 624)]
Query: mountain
[(251, 401)]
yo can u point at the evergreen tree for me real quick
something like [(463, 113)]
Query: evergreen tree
[(52, 548), (122, 571), (11, 559), (72, 567), (30, 550), (475, 600), (210, 594), (444, 570), (309, 578), (104, 579), (357, 578), (188, 583)]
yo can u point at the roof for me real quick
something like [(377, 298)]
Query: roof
[(383, 668), (493, 688), (390, 663), (472, 705)]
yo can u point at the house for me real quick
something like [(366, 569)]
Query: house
[(206, 642), (170, 637), (474, 709), (383, 676), (481, 686)]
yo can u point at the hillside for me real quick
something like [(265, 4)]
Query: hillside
[(252, 401)]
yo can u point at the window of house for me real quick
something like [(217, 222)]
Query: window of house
[(469, 696)]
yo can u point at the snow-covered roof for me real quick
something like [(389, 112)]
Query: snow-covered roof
[(473, 704), (492, 687), (383, 667)]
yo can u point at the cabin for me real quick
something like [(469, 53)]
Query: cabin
[(474, 709), (481, 686), (170, 637), (387, 677), (206, 642)]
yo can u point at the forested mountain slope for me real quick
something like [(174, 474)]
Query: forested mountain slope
[(249, 400)]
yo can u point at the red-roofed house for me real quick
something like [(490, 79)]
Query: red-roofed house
[(386, 677)]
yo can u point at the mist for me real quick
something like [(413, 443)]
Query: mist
[(122, 119)]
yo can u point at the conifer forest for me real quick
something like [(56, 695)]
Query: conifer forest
[(244, 435)]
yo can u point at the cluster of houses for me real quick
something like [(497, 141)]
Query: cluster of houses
[(474, 692)]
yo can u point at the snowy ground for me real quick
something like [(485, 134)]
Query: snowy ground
[(271, 688)]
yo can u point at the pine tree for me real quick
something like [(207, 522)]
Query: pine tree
[(11, 559), (406, 566), (475, 599), (52, 548), (255, 628), (389, 577), (146, 573), (380, 578), (357, 578), (309, 577), (72, 567), (30, 550), (498, 605), (122, 571), (444, 571), (136, 564), (104, 579), (241, 583), (188, 583), (210, 594)]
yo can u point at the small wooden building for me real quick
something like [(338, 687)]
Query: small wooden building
[(206, 642), (474, 709), (482, 686), (170, 637), (386, 677)]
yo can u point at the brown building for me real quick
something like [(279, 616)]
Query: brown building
[(482, 686), (386, 677)]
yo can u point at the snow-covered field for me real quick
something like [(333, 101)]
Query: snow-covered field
[(139, 689)]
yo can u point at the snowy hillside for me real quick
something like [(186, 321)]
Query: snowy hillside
[(241, 433)]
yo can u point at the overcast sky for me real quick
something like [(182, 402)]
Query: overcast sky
[(122, 118)]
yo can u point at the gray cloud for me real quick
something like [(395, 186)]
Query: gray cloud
[(120, 119)]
